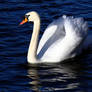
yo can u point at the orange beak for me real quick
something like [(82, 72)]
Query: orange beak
[(24, 21)]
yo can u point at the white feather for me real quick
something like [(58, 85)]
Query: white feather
[(61, 39)]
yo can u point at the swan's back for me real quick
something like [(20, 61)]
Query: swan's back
[(61, 39)]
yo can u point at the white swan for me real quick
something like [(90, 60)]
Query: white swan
[(61, 40)]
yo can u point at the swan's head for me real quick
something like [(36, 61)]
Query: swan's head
[(30, 17)]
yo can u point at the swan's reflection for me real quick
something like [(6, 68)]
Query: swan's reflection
[(56, 77), (33, 74)]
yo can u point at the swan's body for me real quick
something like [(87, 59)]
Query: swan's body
[(61, 40)]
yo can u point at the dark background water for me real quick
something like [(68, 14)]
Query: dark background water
[(15, 74)]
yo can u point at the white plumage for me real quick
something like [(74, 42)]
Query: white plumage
[(63, 39)]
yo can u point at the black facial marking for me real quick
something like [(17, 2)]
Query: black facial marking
[(23, 17), (26, 16)]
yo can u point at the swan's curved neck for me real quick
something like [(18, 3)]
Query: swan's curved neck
[(34, 41)]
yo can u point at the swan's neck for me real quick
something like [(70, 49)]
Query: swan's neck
[(33, 43)]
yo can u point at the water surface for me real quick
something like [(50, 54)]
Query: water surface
[(15, 74)]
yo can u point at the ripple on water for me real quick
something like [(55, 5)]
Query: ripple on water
[(15, 74)]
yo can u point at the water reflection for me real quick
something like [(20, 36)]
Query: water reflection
[(56, 77), (33, 74)]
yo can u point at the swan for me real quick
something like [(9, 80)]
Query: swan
[(63, 39)]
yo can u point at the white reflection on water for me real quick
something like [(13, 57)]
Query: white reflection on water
[(33, 74), (55, 77)]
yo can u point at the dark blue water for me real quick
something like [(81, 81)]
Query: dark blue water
[(15, 74)]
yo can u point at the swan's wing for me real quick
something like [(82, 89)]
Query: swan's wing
[(78, 29), (52, 33), (54, 46), (76, 26)]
